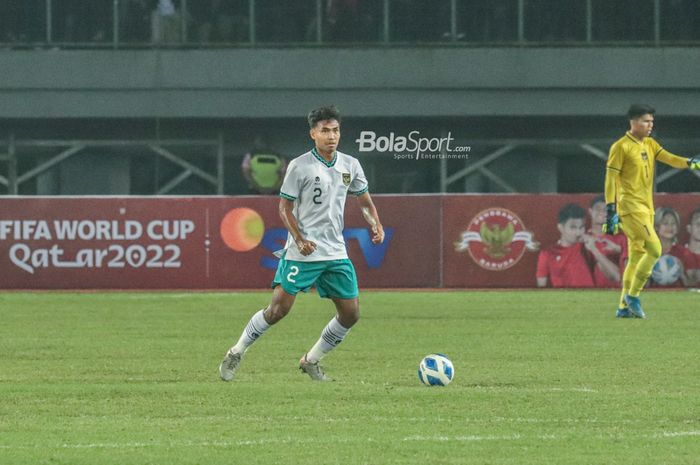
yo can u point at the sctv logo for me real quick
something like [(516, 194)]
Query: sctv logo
[(373, 254)]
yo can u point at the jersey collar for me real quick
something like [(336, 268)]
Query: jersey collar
[(630, 136), (318, 156)]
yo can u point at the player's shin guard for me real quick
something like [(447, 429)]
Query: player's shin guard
[(332, 335), (253, 330)]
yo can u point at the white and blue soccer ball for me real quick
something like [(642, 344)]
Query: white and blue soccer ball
[(436, 370), (667, 270)]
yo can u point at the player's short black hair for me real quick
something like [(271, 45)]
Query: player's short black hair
[(571, 211), (597, 199), (322, 114), (638, 109)]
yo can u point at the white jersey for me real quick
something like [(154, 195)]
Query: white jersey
[(318, 189)]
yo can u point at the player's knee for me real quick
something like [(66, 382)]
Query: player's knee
[(276, 311), (653, 249), (354, 317), (349, 314)]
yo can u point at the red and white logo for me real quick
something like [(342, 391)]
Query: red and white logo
[(496, 239)]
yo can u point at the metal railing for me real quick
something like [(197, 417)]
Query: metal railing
[(194, 23)]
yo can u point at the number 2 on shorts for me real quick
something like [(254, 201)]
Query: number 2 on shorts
[(294, 272)]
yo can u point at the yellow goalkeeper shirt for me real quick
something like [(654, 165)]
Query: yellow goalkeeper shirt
[(629, 178)]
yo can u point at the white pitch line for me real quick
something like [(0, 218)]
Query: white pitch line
[(514, 437), (676, 434)]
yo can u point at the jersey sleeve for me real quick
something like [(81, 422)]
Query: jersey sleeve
[(543, 265), (359, 185), (291, 186), (612, 172), (666, 157)]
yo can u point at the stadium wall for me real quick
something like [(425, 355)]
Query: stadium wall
[(371, 82), (451, 241)]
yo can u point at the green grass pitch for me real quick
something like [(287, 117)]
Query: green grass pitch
[(540, 378)]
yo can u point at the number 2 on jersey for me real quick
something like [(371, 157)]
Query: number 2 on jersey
[(318, 193)]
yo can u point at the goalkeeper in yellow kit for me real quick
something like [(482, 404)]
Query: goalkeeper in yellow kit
[(629, 186)]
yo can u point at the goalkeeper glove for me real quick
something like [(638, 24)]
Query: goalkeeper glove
[(694, 163), (612, 221)]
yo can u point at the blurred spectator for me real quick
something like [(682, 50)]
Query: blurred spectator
[(166, 26), (263, 169), (606, 273), (565, 264), (667, 223), (692, 256)]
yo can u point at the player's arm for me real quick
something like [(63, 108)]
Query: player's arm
[(680, 163), (610, 270), (613, 168), (286, 209), (369, 211), (677, 162)]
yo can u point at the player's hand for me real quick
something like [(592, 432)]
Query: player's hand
[(306, 247), (377, 234), (612, 221), (609, 246), (694, 163), (589, 243)]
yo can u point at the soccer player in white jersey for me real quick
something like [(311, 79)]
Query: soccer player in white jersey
[(312, 202)]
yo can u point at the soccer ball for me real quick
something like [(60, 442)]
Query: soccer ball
[(436, 370), (667, 270)]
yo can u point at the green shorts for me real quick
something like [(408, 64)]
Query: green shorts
[(333, 278)]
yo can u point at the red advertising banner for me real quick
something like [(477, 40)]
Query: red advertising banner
[(493, 241), (431, 241), (195, 243)]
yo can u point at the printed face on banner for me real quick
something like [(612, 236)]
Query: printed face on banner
[(496, 239)]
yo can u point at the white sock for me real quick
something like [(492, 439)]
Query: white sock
[(332, 335), (253, 330)]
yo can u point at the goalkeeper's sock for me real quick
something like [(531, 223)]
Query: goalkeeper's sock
[(253, 330), (332, 335)]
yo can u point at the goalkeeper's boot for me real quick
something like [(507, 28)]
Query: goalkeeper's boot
[(313, 369), (228, 367), (624, 313), (635, 306)]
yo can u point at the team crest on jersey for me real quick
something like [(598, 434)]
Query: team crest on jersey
[(317, 180), (346, 179), (644, 156), (496, 239)]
